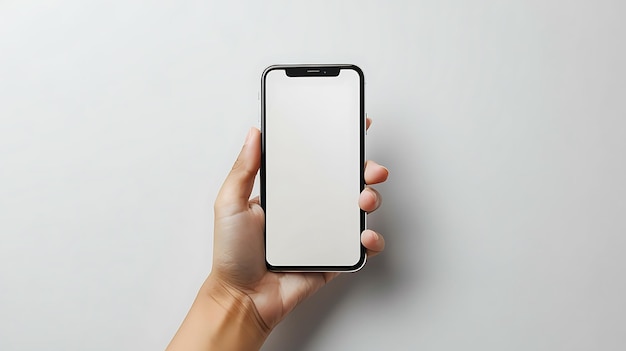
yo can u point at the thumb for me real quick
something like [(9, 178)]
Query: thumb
[(235, 192)]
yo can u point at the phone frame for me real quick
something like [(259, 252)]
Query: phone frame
[(316, 70)]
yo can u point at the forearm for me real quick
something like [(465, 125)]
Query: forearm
[(220, 318)]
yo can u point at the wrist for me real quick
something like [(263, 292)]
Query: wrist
[(221, 318), (237, 314)]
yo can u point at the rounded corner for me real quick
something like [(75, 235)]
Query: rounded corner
[(358, 70), (268, 69), (270, 267), (360, 264)]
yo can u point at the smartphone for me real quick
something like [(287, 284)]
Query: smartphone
[(312, 163)]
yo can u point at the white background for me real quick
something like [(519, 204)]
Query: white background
[(503, 125)]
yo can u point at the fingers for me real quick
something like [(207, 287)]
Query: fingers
[(235, 191), (373, 242), (368, 123), (369, 200), (375, 173)]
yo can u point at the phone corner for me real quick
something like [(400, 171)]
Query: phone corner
[(359, 265), (268, 69), (357, 69), (270, 267)]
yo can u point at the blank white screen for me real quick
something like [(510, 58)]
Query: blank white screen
[(312, 163)]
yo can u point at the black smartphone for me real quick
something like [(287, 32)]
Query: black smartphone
[(312, 163)]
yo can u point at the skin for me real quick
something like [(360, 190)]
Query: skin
[(239, 279)]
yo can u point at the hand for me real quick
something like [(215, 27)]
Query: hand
[(238, 254)]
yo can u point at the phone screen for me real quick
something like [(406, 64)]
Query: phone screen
[(312, 167)]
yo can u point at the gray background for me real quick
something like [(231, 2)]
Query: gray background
[(503, 125)]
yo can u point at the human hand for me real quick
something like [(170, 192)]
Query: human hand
[(238, 253)]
